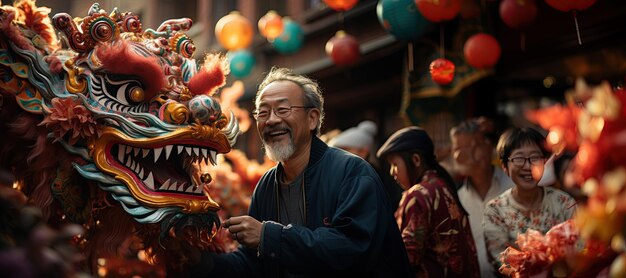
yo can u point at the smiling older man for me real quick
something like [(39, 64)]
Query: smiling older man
[(321, 211)]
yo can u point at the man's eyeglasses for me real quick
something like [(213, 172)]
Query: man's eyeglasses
[(533, 160), (281, 112)]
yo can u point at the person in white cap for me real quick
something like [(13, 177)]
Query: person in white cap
[(359, 140)]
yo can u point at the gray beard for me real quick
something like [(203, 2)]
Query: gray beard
[(280, 153)]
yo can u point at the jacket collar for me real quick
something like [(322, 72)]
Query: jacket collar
[(318, 148)]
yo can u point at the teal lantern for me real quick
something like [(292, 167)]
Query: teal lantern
[(401, 18), (241, 63), (291, 39)]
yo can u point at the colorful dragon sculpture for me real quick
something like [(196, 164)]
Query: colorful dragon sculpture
[(111, 127)]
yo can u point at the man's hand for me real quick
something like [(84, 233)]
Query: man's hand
[(245, 230)]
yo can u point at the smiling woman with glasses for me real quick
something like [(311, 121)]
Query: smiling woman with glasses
[(526, 205), (519, 161)]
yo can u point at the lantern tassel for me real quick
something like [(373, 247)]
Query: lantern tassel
[(410, 54), (522, 41), (442, 40), (577, 30)]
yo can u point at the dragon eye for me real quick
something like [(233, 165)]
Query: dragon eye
[(136, 94), (119, 93), (130, 94)]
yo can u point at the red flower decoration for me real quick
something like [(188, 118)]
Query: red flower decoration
[(68, 115), (532, 257), (561, 122)]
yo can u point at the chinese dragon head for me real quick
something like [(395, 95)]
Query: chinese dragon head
[(112, 127)]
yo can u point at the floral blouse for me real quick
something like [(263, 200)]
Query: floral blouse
[(505, 218), (436, 233)]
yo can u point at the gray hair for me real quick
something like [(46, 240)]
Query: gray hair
[(312, 92), (470, 126)]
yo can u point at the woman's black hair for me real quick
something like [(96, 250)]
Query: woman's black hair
[(516, 137)]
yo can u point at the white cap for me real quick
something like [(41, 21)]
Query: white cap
[(361, 136)]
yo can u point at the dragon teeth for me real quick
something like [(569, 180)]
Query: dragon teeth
[(165, 185), (120, 153), (173, 186), (213, 157), (157, 153), (168, 150), (145, 152), (149, 181)]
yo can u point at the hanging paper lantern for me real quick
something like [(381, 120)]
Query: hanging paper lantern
[(234, 31), (401, 19), (271, 25), (481, 51), (438, 10), (518, 13), (290, 41), (442, 71), (570, 5), (343, 49), (241, 63), (341, 5)]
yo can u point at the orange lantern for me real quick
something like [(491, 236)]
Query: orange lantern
[(341, 5), (442, 71), (271, 25), (234, 31), (343, 49)]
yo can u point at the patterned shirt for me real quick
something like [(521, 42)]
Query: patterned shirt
[(436, 233), (505, 218)]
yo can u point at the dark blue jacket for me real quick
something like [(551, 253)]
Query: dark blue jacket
[(349, 230)]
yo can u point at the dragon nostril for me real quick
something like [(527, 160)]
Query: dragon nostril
[(174, 112)]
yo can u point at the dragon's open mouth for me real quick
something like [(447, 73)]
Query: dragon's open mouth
[(163, 171), (166, 169)]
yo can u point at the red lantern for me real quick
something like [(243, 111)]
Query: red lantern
[(442, 71), (438, 10), (518, 13), (570, 5), (271, 25), (234, 31), (341, 5), (481, 51), (343, 49)]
